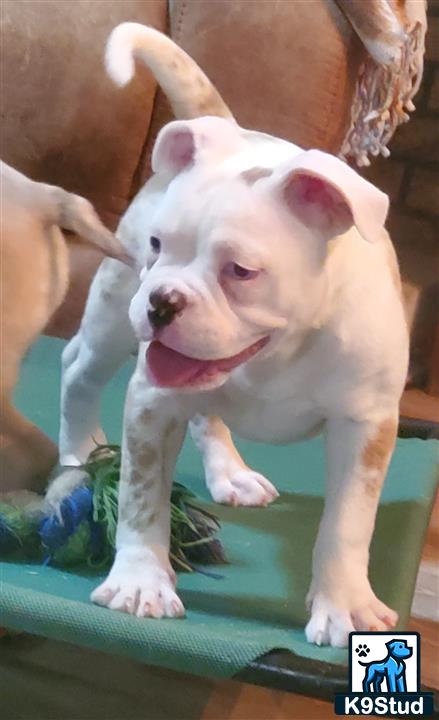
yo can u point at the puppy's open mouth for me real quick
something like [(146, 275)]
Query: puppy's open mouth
[(171, 369)]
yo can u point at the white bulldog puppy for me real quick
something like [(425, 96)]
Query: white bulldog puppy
[(268, 302)]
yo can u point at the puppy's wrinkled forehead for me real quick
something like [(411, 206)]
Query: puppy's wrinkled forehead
[(200, 204)]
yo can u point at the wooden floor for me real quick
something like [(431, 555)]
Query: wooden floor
[(235, 701)]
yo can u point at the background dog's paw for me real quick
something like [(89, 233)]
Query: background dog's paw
[(242, 487), (144, 590), (331, 624)]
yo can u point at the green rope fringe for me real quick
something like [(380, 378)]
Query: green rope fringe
[(193, 529)]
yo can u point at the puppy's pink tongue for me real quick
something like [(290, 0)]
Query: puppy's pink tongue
[(171, 369)]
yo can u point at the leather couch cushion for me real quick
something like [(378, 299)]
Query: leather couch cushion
[(287, 68)]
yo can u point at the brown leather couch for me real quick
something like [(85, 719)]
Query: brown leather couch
[(288, 68)]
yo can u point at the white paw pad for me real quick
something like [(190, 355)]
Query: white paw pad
[(144, 592), (331, 624), (242, 487)]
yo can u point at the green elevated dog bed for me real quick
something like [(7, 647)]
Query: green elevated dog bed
[(258, 603)]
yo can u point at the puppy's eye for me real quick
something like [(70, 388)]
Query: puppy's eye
[(155, 244), (238, 272)]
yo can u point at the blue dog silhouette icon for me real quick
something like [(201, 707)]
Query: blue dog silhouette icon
[(392, 669)]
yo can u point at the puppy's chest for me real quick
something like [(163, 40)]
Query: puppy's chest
[(277, 403), (275, 420)]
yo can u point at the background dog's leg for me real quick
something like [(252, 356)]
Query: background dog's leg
[(141, 581), (27, 455), (102, 344), (340, 596), (228, 478)]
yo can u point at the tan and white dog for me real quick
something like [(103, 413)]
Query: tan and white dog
[(268, 301), (34, 279)]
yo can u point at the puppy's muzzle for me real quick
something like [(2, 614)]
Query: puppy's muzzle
[(165, 306)]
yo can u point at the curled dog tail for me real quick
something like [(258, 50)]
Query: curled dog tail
[(75, 213), (188, 89)]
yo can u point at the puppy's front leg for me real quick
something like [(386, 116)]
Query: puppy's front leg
[(340, 596), (141, 581)]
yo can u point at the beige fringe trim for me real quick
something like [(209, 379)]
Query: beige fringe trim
[(383, 100)]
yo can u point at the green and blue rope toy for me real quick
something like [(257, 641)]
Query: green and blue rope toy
[(83, 532)]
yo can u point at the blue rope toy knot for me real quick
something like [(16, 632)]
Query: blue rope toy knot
[(83, 531), (56, 529)]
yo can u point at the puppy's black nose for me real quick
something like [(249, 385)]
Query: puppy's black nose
[(165, 306)]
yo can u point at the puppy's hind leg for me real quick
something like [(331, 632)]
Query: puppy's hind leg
[(102, 344), (229, 479)]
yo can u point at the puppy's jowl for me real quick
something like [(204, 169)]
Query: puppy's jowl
[(268, 302)]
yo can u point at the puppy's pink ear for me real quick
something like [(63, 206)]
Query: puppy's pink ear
[(182, 143), (326, 194), (174, 148)]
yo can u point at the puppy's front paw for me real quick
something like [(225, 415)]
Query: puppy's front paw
[(139, 585), (332, 621), (241, 487)]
